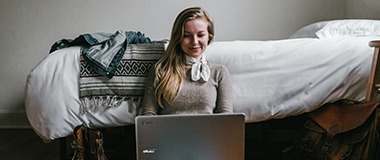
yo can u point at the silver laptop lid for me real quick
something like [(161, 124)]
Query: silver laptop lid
[(198, 137)]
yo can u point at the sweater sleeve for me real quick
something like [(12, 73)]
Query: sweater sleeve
[(224, 93), (149, 106)]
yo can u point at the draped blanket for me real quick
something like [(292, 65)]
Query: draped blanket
[(103, 51), (97, 92)]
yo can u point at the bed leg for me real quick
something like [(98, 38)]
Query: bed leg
[(62, 145)]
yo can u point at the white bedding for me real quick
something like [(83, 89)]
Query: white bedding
[(271, 79), (52, 98), (276, 79)]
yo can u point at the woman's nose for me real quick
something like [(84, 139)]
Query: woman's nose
[(195, 40)]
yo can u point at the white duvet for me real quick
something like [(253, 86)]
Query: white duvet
[(271, 79)]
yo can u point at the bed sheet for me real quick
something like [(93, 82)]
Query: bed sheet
[(271, 79), (281, 78), (52, 99)]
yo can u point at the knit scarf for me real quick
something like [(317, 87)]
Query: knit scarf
[(199, 68)]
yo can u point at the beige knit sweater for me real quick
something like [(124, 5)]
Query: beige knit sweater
[(195, 97)]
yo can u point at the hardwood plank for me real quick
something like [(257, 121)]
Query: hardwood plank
[(24, 144)]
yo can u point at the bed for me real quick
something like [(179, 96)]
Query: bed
[(274, 79)]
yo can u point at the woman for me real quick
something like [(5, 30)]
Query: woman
[(182, 81)]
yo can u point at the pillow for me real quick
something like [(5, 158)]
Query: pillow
[(309, 30), (349, 28)]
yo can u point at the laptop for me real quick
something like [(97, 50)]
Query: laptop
[(190, 137)]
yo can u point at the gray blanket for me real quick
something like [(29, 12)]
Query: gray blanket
[(98, 92)]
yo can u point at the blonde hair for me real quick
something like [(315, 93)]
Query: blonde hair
[(170, 69)]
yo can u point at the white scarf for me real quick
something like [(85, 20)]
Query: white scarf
[(199, 69)]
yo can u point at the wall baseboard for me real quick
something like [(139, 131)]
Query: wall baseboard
[(14, 121)]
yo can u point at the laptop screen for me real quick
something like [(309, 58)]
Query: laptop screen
[(204, 136)]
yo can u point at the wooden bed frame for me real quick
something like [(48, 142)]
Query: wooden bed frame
[(374, 76), (263, 140)]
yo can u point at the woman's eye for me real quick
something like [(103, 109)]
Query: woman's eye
[(186, 35), (201, 35)]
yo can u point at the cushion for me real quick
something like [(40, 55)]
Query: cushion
[(339, 28), (309, 30), (350, 28)]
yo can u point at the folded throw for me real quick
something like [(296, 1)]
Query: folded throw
[(128, 82)]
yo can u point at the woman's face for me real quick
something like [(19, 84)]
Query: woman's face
[(196, 37)]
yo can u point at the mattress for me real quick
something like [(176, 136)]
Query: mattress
[(271, 80)]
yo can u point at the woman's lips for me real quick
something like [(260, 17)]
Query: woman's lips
[(194, 48)]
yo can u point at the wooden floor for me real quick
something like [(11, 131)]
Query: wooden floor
[(24, 144), (264, 141)]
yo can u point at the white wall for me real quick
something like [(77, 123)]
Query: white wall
[(363, 9), (30, 27)]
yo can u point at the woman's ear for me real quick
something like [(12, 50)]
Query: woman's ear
[(210, 39)]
